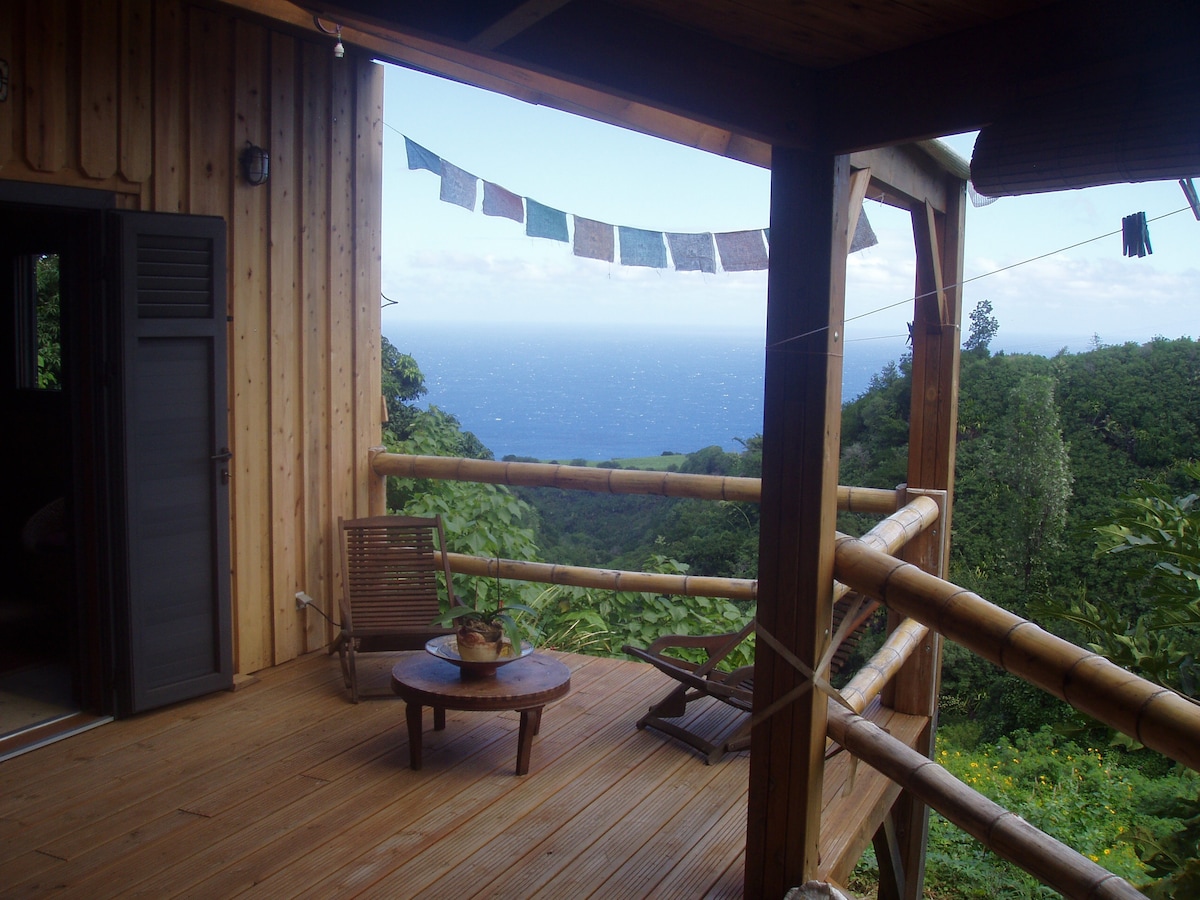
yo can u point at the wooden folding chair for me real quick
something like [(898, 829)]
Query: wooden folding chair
[(697, 681), (390, 591)]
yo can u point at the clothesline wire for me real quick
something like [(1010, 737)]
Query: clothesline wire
[(965, 281), (875, 337)]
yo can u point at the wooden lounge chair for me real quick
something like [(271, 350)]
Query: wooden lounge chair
[(698, 681), (389, 587)]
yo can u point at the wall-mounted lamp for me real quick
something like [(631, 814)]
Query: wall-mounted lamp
[(339, 49), (255, 164)]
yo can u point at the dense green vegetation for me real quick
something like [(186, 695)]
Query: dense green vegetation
[(1076, 506)]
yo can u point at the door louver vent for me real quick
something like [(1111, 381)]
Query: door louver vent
[(174, 277)]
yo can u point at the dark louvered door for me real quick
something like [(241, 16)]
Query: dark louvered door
[(178, 623)]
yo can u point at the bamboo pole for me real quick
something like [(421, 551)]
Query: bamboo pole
[(889, 535), (609, 481), (1157, 717), (1050, 861), (604, 579), (869, 681)]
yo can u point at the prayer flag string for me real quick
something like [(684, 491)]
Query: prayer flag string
[(737, 251)]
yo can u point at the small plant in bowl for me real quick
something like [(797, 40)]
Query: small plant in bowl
[(485, 630)]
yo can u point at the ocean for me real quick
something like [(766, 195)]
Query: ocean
[(593, 394)]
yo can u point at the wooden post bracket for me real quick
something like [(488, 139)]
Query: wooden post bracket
[(930, 289)]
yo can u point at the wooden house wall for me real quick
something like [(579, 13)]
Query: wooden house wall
[(153, 101)]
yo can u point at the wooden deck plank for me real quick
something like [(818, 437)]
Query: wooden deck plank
[(545, 839), (347, 837), (422, 856), (285, 789), (138, 827), (718, 850), (266, 844), (699, 807), (134, 779), (223, 865), (36, 776)]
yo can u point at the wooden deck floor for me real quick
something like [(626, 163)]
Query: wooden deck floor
[(285, 789)]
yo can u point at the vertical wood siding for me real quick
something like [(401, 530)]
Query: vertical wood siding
[(154, 101)]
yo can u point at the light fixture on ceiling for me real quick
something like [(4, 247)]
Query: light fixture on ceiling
[(339, 49), (255, 164)]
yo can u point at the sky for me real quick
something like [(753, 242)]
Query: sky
[(445, 265)]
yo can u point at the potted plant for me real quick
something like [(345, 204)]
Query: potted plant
[(485, 630)]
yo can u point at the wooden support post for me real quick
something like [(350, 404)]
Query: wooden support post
[(891, 867), (801, 436), (376, 485), (933, 429)]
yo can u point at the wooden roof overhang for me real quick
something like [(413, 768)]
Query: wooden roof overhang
[(1067, 93)]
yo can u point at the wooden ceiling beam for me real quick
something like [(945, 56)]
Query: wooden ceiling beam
[(904, 177), (639, 58), (469, 66), (965, 81), (654, 61), (504, 29)]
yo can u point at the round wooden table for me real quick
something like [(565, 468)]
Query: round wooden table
[(524, 685)]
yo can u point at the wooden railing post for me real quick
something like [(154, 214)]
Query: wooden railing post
[(936, 335)]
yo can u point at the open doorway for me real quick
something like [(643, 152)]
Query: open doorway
[(41, 661)]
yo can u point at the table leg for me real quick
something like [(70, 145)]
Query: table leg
[(412, 713), (531, 720), (439, 718)]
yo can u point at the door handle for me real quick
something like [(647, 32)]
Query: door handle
[(223, 456)]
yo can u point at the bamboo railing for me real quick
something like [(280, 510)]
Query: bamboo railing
[(609, 481), (603, 579), (1050, 861), (888, 536), (1157, 717)]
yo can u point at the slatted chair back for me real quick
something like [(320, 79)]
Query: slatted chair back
[(390, 589)]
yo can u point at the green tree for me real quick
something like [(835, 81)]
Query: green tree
[(1157, 531), (984, 326), (402, 383), (710, 461), (875, 429), (1033, 474), (49, 323)]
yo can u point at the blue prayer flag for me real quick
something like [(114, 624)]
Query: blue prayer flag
[(420, 158), (642, 248), (545, 221)]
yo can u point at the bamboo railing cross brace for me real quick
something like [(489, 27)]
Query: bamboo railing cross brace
[(811, 679)]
